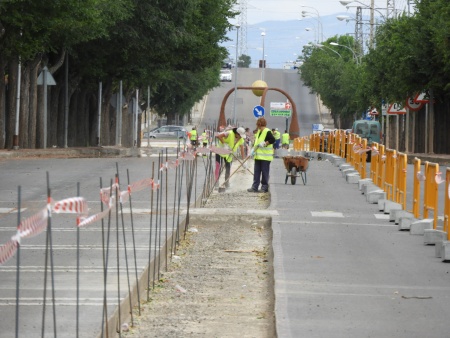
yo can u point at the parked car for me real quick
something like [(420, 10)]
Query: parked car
[(371, 130), (168, 132), (225, 75)]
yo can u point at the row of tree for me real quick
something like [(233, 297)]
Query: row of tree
[(410, 55), (171, 46)]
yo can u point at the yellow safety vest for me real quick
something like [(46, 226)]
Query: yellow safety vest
[(265, 153), (285, 138), (230, 139), (193, 135), (205, 138), (277, 135)]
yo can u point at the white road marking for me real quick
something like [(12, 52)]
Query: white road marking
[(326, 214)]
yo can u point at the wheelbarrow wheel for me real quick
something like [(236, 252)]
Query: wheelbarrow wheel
[(293, 175), (285, 181)]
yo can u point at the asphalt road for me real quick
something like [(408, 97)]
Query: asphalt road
[(126, 240), (287, 80)]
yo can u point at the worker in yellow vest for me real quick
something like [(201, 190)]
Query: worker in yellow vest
[(205, 138), (232, 140), (193, 137), (263, 155), (285, 140)]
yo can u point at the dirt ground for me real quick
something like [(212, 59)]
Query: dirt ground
[(220, 282)]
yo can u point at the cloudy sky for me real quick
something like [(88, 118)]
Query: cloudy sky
[(264, 10), (286, 35)]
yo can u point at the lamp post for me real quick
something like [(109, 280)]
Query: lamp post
[(235, 73), (263, 34), (355, 57), (320, 26), (318, 45), (308, 29)]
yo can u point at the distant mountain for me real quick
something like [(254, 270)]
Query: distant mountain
[(284, 40)]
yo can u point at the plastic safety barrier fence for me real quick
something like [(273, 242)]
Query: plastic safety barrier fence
[(400, 182), (430, 196), (418, 177), (375, 158), (447, 203), (390, 168), (381, 167)]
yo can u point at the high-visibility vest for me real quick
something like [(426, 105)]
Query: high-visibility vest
[(265, 153), (205, 137), (277, 135), (193, 135), (285, 138), (230, 141)]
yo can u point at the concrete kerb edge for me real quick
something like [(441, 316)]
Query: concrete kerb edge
[(125, 311)]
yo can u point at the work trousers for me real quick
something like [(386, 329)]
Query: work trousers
[(261, 173), (220, 161)]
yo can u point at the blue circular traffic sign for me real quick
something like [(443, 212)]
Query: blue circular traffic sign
[(258, 111)]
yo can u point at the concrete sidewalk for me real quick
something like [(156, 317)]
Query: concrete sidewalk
[(343, 270)]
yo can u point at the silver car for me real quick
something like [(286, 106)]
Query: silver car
[(168, 132)]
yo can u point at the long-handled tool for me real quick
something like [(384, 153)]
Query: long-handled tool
[(222, 188), (243, 163)]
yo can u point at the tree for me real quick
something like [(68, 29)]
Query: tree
[(244, 61)]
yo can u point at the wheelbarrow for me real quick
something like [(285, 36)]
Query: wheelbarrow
[(296, 166)]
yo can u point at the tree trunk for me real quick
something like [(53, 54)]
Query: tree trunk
[(11, 108), (2, 102), (33, 103), (24, 107)]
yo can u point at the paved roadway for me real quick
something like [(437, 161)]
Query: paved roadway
[(341, 268), (64, 174), (287, 80)]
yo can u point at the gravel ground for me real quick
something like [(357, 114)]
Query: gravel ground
[(220, 282)]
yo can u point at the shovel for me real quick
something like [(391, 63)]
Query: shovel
[(222, 188)]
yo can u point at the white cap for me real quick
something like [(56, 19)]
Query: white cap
[(276, 129), (241, 132)]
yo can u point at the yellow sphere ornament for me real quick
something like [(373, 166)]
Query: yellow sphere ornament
[(258, 84)]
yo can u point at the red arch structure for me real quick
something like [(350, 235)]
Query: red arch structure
[(294, 130)]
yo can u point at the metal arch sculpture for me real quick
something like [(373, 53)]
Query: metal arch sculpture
[(294, 129)]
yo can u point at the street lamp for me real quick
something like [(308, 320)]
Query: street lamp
[(309, 29), (355, 57), (263, 34), (320, 26), (235, 74), (318, 45)]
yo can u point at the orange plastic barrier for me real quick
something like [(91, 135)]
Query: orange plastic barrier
[(349, 147), (344, 140), (447, 203), (430, 196), (389, 178), (400, 182), (297, 144), (363, 159), (416, 188), (374, 162), (381, 167)]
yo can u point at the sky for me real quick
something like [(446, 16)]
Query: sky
[(287, 31), (264, 10)]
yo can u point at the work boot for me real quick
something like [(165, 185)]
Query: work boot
[(252, 190)]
